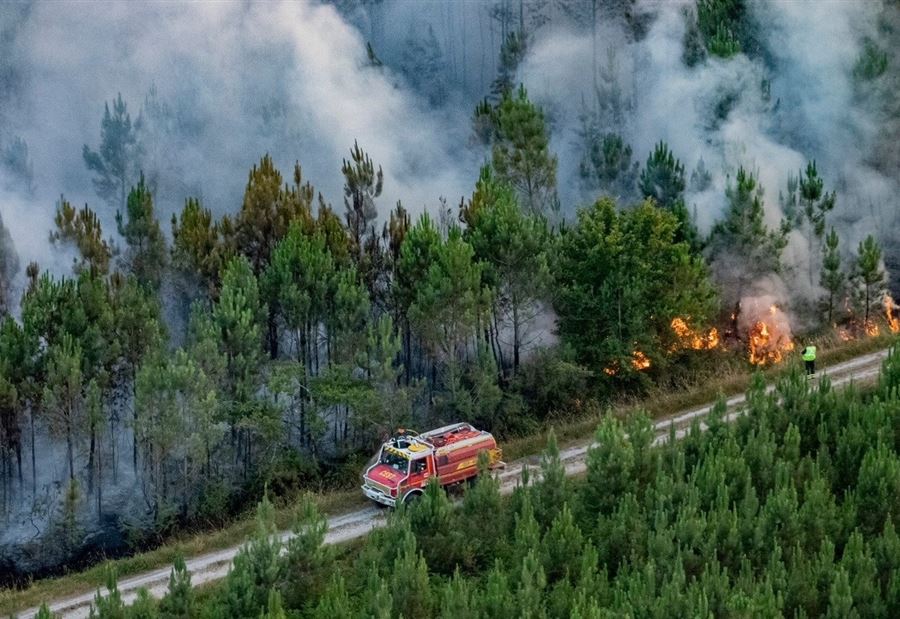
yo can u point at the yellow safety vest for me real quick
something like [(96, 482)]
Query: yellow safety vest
[(809, 353)]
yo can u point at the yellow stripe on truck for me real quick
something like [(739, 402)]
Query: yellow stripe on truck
[(465, 464)]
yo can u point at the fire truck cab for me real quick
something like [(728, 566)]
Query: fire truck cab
[(404, 465)]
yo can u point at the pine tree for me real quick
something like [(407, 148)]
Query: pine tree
[(362, 185), (274, 610), (410, 588), (197, 246), (742, 248), (82, 230), (530, 589), (146, 255), (562, 545), (868, 276), (307, 561), (663, 177), (816, 204), (9, 268), (832, 278), (14, 158), (143, 607), (607, 163), (237, 318), (117, 161), (610, 470), (44, 612), (498, 601), (111, 605), (521, 153), (456, 600), (335, 602), (268, 210), (449, 298), (178, 602), (513, 248), (613, 296), (256, 568), (422, 64), (63, 396), (840, 598), (376, 598), (551, 490)]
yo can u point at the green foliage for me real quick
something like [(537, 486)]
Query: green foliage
[(362, 184), (512, 52), (9, 268), (868, 276), (607, 164), (621, 278), (521, 155), (109, 606), (146, 255), (832, 278), (872, 62), (268, 210), (513, 248), (178, 602), (724, 27), (197, 246), (117, 161), (237, 319), (256, 569), (663, 177), (742, 237), (82, 230), (307, 562), (422, 63), (449, 298)]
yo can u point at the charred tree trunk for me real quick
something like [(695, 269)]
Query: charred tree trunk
[(272, 334), (33, 458)]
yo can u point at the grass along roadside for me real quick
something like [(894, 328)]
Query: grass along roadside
[(569, 428), (730, 380)]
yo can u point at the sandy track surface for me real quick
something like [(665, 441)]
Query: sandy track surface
[(345, 527)]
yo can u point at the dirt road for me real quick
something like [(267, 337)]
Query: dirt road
[(214, 566)]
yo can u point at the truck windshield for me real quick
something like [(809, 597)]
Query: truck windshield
[(394, 461)]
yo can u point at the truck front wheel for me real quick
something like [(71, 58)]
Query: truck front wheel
[(411, 498)]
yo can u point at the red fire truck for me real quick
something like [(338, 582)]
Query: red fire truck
[(401, 469)]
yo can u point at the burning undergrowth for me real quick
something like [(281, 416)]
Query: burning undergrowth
[(768, 330)]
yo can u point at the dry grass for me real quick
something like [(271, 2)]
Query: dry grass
[(728, 379)]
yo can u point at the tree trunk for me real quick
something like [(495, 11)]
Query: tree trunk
[(99, 489), (134, 416), (70, 452), (91, 459), (516, 335), (19, 458), (33, 459), (272, 333)]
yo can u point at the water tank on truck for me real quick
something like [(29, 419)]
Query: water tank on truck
[(406, 463)]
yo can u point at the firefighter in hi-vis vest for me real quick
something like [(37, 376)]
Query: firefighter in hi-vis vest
[(809, 359)]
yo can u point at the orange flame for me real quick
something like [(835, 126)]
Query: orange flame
[(767, 345), (844, 335), (889, 308), (639, 361), (692, 339)]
